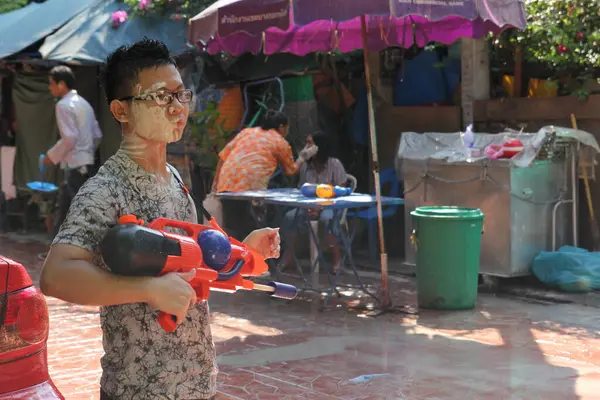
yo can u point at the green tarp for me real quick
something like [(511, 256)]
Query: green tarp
[(36, 126), (26, 26), (298, 88), (87, 86), (89, 37)]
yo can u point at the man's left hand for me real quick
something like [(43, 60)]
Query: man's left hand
[(265, 241)]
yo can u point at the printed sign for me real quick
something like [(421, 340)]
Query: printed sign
[(242, 17)]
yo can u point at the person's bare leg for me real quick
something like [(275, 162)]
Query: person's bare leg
[(288, 255), (335, 250), (326, 219), (290, 237)]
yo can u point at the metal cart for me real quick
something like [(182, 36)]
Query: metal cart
[(527, 209)]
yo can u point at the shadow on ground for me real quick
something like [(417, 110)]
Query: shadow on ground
[(504, 349)]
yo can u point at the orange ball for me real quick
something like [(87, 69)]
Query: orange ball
[(325, 191)]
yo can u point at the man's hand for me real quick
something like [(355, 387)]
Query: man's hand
[(172, 293), (308, 152), (47, 161), (265, 241)]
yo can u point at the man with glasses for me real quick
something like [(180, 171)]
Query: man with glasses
[(147, 97), (80, 135)]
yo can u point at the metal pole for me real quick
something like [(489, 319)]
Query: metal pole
[(575, 190), (314, 253), (385, 295)]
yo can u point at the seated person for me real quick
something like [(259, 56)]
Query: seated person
[(320, 169)]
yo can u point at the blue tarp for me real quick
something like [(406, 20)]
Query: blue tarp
[(571, 269), (89, 37), (423, 81), (21, 28)]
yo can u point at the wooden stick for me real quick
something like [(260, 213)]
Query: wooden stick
[(588, 194), (385, 296), (518, 82), (264, 288)]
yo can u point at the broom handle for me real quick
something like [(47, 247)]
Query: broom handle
[(588, 193)]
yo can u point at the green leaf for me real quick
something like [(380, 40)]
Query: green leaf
[(557, 22), (11, 5)]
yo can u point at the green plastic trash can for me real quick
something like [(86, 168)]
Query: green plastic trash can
[(447, 241)]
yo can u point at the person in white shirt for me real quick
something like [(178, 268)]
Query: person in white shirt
[(80, 136)]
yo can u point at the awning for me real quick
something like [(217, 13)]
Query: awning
[(24, 27), (89, 37)]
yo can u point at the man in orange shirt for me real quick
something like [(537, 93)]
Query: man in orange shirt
[(249, 160)]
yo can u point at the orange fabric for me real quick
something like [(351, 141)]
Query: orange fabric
[(231, 110), (250, 159)]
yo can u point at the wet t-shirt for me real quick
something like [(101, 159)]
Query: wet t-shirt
[(141, 360)]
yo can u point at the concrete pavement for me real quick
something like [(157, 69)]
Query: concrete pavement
[(269, 349)]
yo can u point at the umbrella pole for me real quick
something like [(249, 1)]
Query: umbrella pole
[(385, 296)]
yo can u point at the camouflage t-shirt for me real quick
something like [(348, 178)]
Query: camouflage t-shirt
[(141, 360)]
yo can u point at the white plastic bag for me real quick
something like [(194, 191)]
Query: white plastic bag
[(213, 205)]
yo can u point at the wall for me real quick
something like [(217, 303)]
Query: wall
[(493, 115), (392, 121)]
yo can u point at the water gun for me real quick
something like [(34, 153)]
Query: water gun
[(324, 191), (133, 248)]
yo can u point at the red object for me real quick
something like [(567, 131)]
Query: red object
[(244, 261), (512, 147), (24, 327), (509, 149)]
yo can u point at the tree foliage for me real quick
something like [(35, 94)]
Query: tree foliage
[(562, 34), (12, 5)]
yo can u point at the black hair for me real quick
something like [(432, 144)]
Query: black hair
[(323, 142), (119, 75), (273, 120), (62, 73)]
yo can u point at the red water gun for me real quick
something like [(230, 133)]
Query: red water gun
[(133, 248)]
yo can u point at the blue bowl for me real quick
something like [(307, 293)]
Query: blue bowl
[(42, 186)]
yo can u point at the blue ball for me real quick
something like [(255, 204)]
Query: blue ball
[(309, 190), (215, 247)]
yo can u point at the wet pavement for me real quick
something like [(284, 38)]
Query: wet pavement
[(270, 349)]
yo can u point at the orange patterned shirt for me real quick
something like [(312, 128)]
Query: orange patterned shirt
[(251, 158)]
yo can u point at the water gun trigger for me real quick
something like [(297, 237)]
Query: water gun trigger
[(213, 223), (251, 257)]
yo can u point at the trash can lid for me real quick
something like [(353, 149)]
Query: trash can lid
[(448, 212)]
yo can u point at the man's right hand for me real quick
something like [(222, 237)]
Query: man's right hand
[(69, 274), (172, 293)]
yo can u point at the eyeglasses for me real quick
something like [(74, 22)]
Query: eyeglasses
[(163, 97)]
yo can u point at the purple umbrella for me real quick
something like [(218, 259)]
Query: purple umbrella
[(305, 26)]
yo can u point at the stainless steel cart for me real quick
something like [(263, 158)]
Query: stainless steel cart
[(527, 210)]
